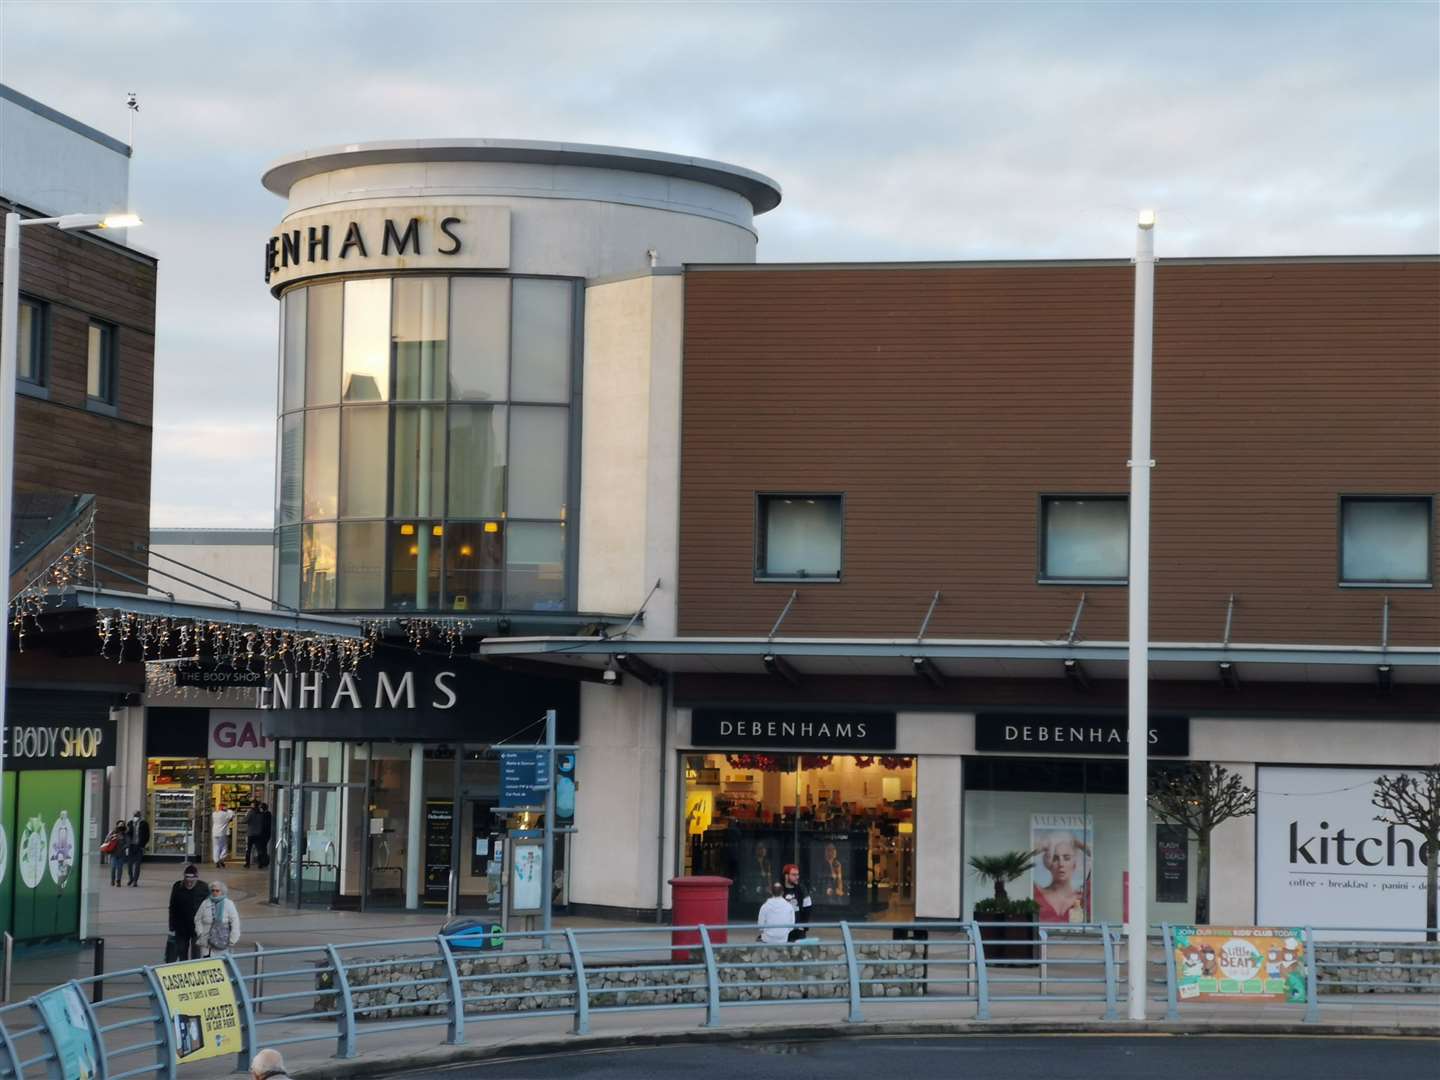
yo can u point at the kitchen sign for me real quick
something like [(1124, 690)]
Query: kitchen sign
[(1043, 733)]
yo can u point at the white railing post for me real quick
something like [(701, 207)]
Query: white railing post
[(852, 968), (982, 977), (582, 989), (455, 1029), (712, 979), (345, 1036), (1112, 1011)]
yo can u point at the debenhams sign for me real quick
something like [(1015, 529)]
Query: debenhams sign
[(424, 237)]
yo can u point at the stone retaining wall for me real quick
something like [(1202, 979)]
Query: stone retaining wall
[(1400, 964), (530, 983)]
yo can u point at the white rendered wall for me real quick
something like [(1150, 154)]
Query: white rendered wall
[(246, 565), (48, 167)]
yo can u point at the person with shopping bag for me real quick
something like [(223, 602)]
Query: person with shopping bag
[(217, 923), (114, 847)]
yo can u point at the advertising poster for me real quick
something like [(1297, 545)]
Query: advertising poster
[(439, 834), (699, 811), (201, 1003), (64, 1012), (47, 852), (7, 853), (1063, 846), (1172, 864), (526, 873), (1321, 858), (760, 858), (1240, 963), (834, 871)]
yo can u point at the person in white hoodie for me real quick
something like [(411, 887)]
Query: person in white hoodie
[(777, 917), (217, 923)]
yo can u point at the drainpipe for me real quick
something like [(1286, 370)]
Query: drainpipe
[(664, 764)]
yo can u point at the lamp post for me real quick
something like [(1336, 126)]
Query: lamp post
[(1137, 753), (9, 362)]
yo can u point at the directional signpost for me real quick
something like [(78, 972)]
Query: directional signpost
[(527, 783)]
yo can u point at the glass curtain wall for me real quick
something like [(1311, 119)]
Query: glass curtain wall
[(425, 439)]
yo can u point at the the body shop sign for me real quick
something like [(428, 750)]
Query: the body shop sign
[(1323, 860), (60, 746), (236, 735)]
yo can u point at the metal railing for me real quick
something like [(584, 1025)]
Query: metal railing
[(362, 994)]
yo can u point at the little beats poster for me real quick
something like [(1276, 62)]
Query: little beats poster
[(201, 1004), (1240, 963)]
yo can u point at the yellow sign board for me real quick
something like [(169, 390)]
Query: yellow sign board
[(201, 1003), (1240, 963)]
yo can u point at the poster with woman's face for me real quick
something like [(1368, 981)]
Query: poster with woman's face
[(1063, 846)]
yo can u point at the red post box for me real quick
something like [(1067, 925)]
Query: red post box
[(697, 901)]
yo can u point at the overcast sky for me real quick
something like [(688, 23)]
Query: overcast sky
[(898, 131)]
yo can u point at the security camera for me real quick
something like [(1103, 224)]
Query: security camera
[(610, 675)]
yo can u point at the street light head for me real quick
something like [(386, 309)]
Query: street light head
[(1147, 219), (121, 221), (70, 222)]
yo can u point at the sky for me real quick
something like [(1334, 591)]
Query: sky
[(897, 131)]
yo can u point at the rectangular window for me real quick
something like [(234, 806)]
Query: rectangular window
[(362, 566), (100, 363), (542, 340), (287, 567), (535, 567), (292, 438), (418, 333), (539, 438), (31, 340), (414, 565), (292, 389), (322, 344), (419, 481), (322, 462), (365, 361), (1385, 540), (799, 536), (317, 567), (363, 437), (1085, 538), (480, 338), (477, 461), (474, 565)]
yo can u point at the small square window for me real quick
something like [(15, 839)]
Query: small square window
[(100, 363), (1085, 538), (1385, 540), (799, 537), (31, 338)]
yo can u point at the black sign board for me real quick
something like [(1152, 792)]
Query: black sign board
[(524, 776), (219, 678), (439, 831), (1058, 734), (47, 729), (759, 729), (1172, 864)]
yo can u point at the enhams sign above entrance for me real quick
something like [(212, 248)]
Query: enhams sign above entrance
[(389, 238)]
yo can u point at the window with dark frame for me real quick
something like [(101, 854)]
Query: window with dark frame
[(1085, 538), (1386, 539), (100, 363), (32, 335), (799, 536)]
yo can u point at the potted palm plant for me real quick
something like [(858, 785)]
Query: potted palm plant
[(1002, 942)]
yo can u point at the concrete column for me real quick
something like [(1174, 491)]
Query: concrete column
[(127, 780), (414, 855), (938, 797)]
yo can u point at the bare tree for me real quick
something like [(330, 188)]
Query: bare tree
[(1412, 800), (1199, 797)]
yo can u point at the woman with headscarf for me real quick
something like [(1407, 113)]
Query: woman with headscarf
[(217, 923)]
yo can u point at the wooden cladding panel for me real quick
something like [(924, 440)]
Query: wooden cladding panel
[(943, 402)]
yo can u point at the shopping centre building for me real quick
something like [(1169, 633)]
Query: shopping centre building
[(826, 563)]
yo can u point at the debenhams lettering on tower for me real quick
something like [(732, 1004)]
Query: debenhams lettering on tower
[(389, 238)]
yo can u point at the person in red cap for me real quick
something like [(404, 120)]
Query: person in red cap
[(799, 898)]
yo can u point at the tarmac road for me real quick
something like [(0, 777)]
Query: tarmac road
[(1065, 1057)]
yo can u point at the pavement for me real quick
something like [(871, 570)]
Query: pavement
[(133, 923)]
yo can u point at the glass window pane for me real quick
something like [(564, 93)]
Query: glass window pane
[(28, 332), (1386, 540), (541, 328), (802, 536), (474, 563), (480, 338), (292, 432), (418, 333), (322, 344), (95, 363), (538, 455), (477, 460), (367, 340), (535, 567), (287, 567), (414, 566), (1087, 538), (362, 566), (362, 460), (322, 462), (292, 392), (317, 567), (419, 488)]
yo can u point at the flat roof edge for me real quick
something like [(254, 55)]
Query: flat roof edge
[(55, 116), (1021, 264)]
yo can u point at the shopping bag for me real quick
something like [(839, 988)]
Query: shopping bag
[(172, 950)]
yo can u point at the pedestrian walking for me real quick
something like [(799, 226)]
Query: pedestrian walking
[(137, 839), (267, 824), (777, 917), (217, 923), (186, 897), (268, 1065), (799, 897), (254, 832), (220, 822), (114, 849)]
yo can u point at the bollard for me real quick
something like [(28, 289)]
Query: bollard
[(97, 988)]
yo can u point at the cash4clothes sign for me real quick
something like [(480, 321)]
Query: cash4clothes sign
[(1240, 963), (200, 1001)]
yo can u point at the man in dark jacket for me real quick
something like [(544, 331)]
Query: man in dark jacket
[(255, 833), (186, 896), (799, 897), (137, 839)]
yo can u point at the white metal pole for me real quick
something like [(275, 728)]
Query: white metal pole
[(1139, 665), (9, 361), (548, 860)]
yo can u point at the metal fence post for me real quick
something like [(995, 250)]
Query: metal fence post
[(97, 988), (1111, 1011), (1312, 995), (247, 1016), (982, 977), (164, 1029), (14, 1058), (345, 1042), (1044, 936), (259, 989), (9, 967), (1172, 996), (582, 991), (455, 1030), (712, 980), (852, 968)]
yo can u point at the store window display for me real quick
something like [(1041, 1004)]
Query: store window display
[(846, 821)]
